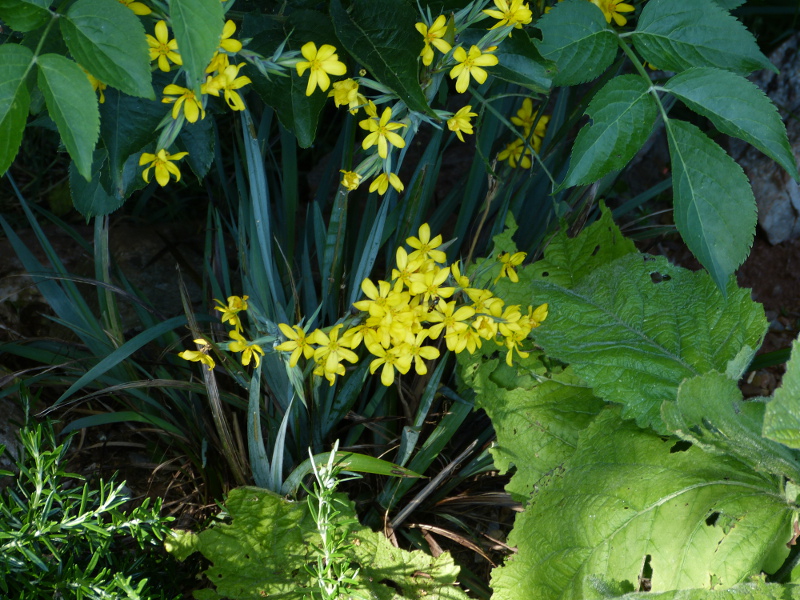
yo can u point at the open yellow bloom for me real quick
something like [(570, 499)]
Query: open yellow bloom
[(515, 13), (297, 343), (350, 179), (162, 162), (346, 92), (249, 351), (320, 63), (184, 97), (382, 182), (508, 262), (138, 8), (200, 356), (331, 352), (469, 65), (425, 247), (162, 48), (516, 153), (382, 133), (230, 312), (612, 9), (460, 122), (228, 82), (433, 36), (227, 44), (526, 117), (394, 358)]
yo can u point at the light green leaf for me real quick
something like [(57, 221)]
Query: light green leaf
[(521, 63), (380, 35), (737, 108), (265, 549), (715, 211), (782, 418), (576, 37), (91, 198), (25, 15), (198, 29), (635, 328), (15, 60), (623, 114), (679, 34), (627, 498), (758, 590), (72, 104), (108, 40)]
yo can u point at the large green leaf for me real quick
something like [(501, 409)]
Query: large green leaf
[(521, 63), (72, 104), (629, 499), (576, 37), (108, 40), (198, 28), (264, 552), (25, 15), (782, 418), (715, 211), (679, 34), (756, 590), (91, 198), (623, 114), (15, 60), (737, 108), (380, 35), (635, 328), (198, 140)]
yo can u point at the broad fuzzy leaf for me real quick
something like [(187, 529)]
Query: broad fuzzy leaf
[(637, 327), (628, 497), (782, 418), (623, 114), (14, 100), (576, 37), (758, 590), (108, 40), (198, 28), (265, 549), (521, 63), (72, 104), (380, 35), (679, 34), (715, 211), (737, 108), (25, 15)]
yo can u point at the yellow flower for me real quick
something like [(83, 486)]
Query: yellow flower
[(138, 8), (228, 82), (425, 247), (350, 179), (346, 92), (227, 44), (382, 133), (453, 321), (331, 352), (200, 356), (418, 352), (162, 161), (516, 13), (219, 62), (469, 65), (248, 350), (460, 121), (396, 357), (526, 117), (297, 343), (162, 48), (230, 312), (320, 63), (433, 37), (429, 284), (508, 262), (612, 8), (517, 154), (192, 107), (405, 267), (382, 181)]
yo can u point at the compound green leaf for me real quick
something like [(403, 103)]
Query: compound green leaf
[(715, 211), (72, 104), (623, 114), (108, 40), (25, 15), (782, 418), (15, 60), (634, 329), (629, 498), (576, 37), (737, 107), (679, 34), (521, 63), (198, 28), (380, 35)]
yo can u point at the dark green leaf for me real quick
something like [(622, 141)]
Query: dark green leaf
[(72, 104), (623, 114), (15, 60), (715, 211), (782, 418), (108, 40), (25, 15), (198, 28), (198, 140), (576, 37), (380, 35), (521, 63), (679, 34), (730, 4), (91, 198), (737, 108)]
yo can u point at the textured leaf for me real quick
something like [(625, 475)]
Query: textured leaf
[(635, 328), (782, 418), (743, 591), (72, 104), (730, 4), (521, 63), (198, 140), (380, 35), (25, 15), (198, 29), (737, 108), (91, 198), (627, 497), (108, 40), (623, 114), (679, 34), (15, 61), (265, 549), (576, 37), (715, 211)]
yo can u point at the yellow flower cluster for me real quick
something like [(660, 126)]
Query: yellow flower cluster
[(516, 152)]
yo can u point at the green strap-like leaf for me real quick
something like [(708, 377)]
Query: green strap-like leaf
[(198, 28), (380, 34), (782, 418), (15, 61), (737, 108), (576, 37), (72, 104), (679, 34), (623, 114), (108, 40), (25, 15), (715, 211)]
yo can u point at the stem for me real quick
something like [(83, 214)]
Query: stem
[(643, 73)]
